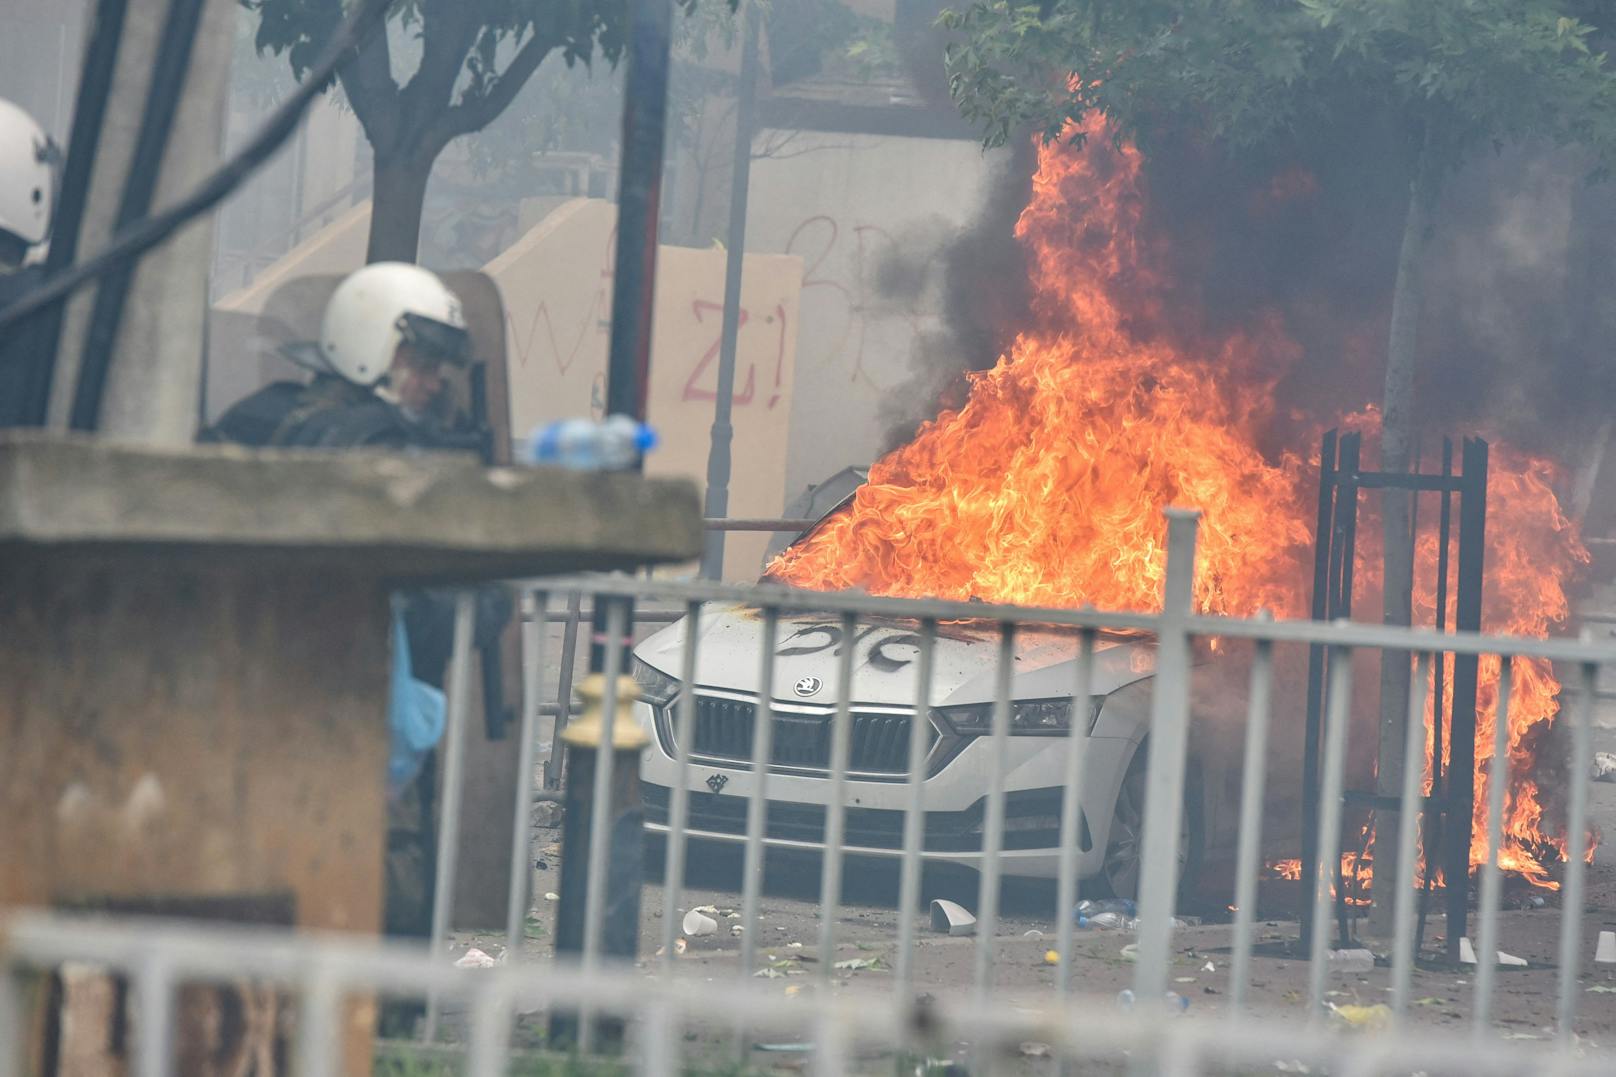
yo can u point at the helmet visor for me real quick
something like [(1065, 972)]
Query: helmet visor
[(433, 339)]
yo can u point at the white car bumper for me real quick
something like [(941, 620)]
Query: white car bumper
[(954, 802)]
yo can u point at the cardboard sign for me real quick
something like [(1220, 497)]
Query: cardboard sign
[(557, 285)]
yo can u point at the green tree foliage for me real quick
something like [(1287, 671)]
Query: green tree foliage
[(1249, 71), (474, 56)]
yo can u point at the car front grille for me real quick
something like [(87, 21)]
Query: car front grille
[(1032, 821), (725, 727)]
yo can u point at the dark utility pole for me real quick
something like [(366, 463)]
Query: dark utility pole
[(718, 457), (645, 107), (603, 771)]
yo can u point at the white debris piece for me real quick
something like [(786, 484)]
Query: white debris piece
[(1605, 952), (475, 959), (950, 918), (1467, 956), (699, 923), (1604, 768), (1351, 961)]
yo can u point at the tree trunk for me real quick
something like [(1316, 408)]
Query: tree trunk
[(1396, 451), (396, 202)]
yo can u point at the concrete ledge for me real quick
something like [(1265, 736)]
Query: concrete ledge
[(418, 518)]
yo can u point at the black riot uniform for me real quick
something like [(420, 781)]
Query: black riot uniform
[(331, 413), (22, 352)]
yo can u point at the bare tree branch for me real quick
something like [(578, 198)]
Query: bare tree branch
[(448, 30), (475, 113), (776, 155), (367, 80), (775, 148)]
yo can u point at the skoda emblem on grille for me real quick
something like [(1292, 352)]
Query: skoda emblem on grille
[(807, 686), (717, 782)]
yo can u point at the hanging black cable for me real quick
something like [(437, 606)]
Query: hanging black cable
[(42, 334), (139, 188), (146, 233)]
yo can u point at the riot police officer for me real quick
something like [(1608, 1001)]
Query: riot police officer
[(387, 333)]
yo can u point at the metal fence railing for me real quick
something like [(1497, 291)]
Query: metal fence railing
[(838, 1021), (842, 1027)]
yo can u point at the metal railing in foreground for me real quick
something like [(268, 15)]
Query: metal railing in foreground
[(837, 1021), (1173, 631), (842, 1030)]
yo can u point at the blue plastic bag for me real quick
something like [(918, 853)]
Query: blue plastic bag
[(415, 715)]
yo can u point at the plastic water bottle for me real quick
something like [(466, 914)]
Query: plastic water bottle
[(584, 445), (1091, 908), (1176, 1003)]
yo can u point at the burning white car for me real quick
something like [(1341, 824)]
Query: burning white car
[(959, 757)]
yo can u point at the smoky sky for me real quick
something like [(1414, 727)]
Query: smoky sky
[(1520, 278)]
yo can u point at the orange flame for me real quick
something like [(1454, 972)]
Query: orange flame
[(1046, 487)]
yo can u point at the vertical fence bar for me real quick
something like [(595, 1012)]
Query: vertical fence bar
[(600, 807), (987, 902), (1248, 859), (679, 796), (830, 1047), (569, 663), (757, 807), (489, 1047), (1073, 824), (1328, 844), (1435, 803), (154, 1020), (1576, 848), (522, 828), (1323, 591), (1164, 781), (11, 1036), (1492, 880), (1408, 820), (914, 816), (841, 738), (659, 1045), (454, 765), (317, 1023)]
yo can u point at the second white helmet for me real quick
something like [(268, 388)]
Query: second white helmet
[(27, 180), (378, 308)]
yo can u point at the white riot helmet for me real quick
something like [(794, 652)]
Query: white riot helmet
[(378, 308), (27, 181)]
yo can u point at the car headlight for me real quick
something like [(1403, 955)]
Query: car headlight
[(656, 687), (1028, 717)]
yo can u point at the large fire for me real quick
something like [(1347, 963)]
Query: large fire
[(1046, 487)]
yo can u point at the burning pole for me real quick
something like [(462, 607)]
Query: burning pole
[(718, 456)]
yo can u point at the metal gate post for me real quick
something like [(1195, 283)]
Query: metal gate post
[(1462, 742), (1315, 675), (1345, 546)]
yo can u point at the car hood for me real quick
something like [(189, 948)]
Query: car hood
[(886, 654)]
